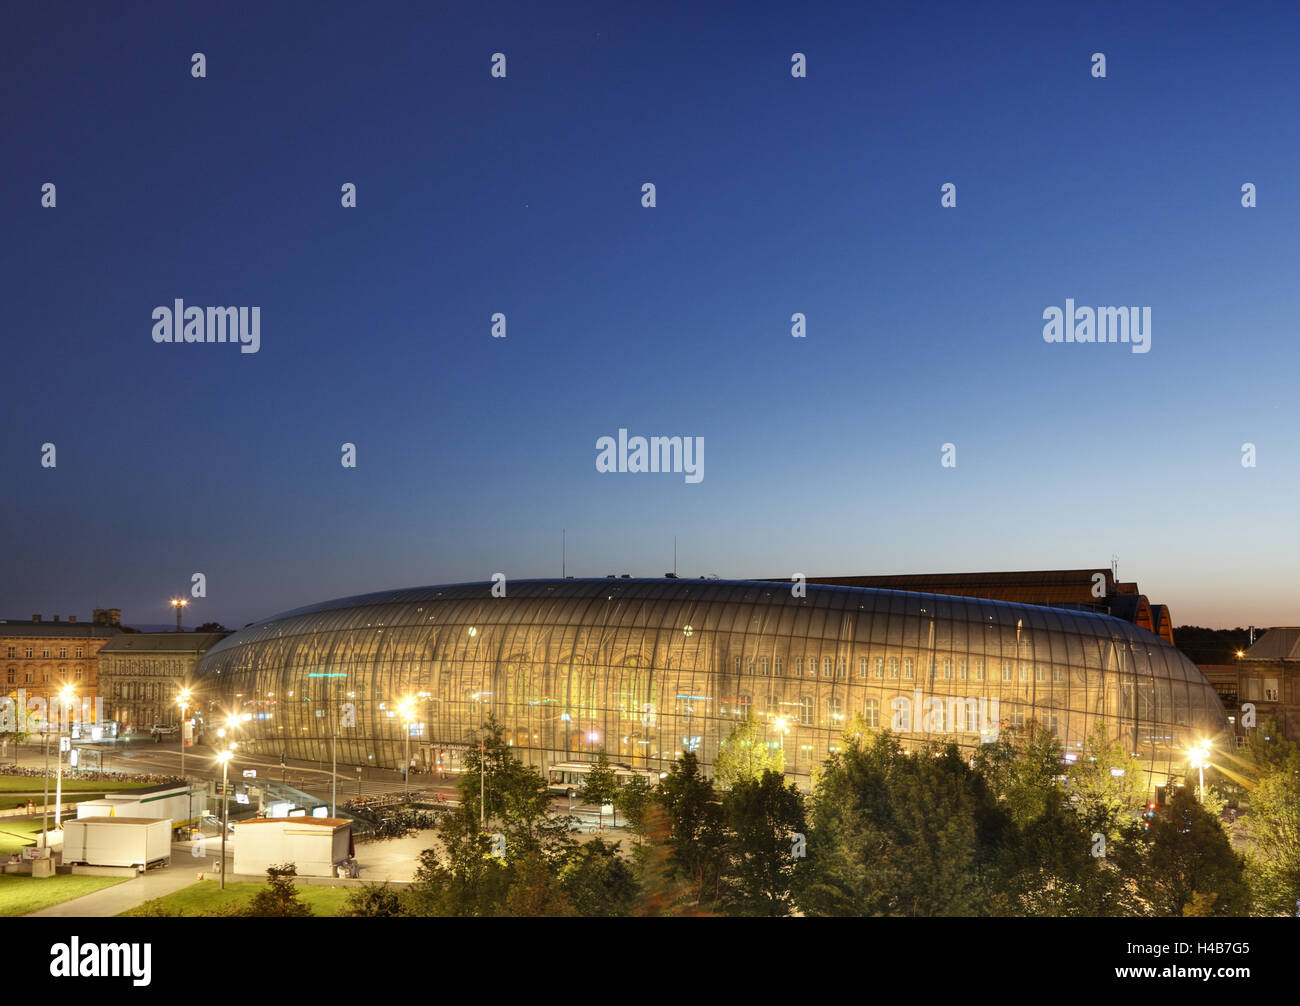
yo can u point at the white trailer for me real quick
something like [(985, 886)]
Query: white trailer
[(182, 805), (314, 845), (142, 842)]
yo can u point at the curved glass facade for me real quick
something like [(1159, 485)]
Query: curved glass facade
[(648, 669)]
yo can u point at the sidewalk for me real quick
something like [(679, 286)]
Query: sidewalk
[(123, 897)]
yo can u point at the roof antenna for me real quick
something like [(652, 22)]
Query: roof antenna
[(1114, 567)]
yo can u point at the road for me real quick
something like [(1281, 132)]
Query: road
[(148, 756)]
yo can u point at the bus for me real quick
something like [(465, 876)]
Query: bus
[(567, 778)]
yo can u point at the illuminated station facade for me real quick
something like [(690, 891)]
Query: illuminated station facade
[(647, 669)]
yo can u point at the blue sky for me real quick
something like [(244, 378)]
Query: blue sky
[(775, 195)]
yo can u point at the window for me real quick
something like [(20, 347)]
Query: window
[(871, 713), (12, 650), (737, 665), (841, 670), (805, 711), (45, 651), (798, 667), (762, 666), (1040, 672), (979, 670), (961, 670), (776, 667), (947, 670), (893, 667), (78, 674), (907, 668), (878, 668), (826, 667), (1024, 672), (1006, 671), (1270, 689), (27, 676), (862, 667), (1018, 718), (1252, 689), (81, 652), (27, 652), (744, 703), (63, 653), (835, 706), (1058, 673), (12, 676)]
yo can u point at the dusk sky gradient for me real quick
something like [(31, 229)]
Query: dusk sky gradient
[(775, 196)]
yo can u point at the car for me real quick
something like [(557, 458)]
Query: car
[(163, 729)]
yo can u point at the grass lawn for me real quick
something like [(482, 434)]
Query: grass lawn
[(207, 894), (18, 832), (20, 895)]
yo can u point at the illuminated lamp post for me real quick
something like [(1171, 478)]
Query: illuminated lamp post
[(224, 757), (183, 700), (1200, 757), (179, 603), (66, 697)]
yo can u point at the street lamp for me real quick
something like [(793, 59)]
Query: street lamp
[(183, 700), (66, 698), (782, 728), (178, 603), (224, 757), (1200, 757)]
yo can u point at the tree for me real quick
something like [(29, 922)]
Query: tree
[(767, 824), (598, 881), (1105, 784), (472, 883), (1182, 861), (374, 901), (211, 627), (746, 755), (633, 798), (664, 891), (515, 796), (279, 898), (899, 834), (601, 786), (1275, 828), (1021, 770), (535, 891), (695, 825)]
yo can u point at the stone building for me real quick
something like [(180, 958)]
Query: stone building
[(141, 675), (39, 657), (1267, 676)]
